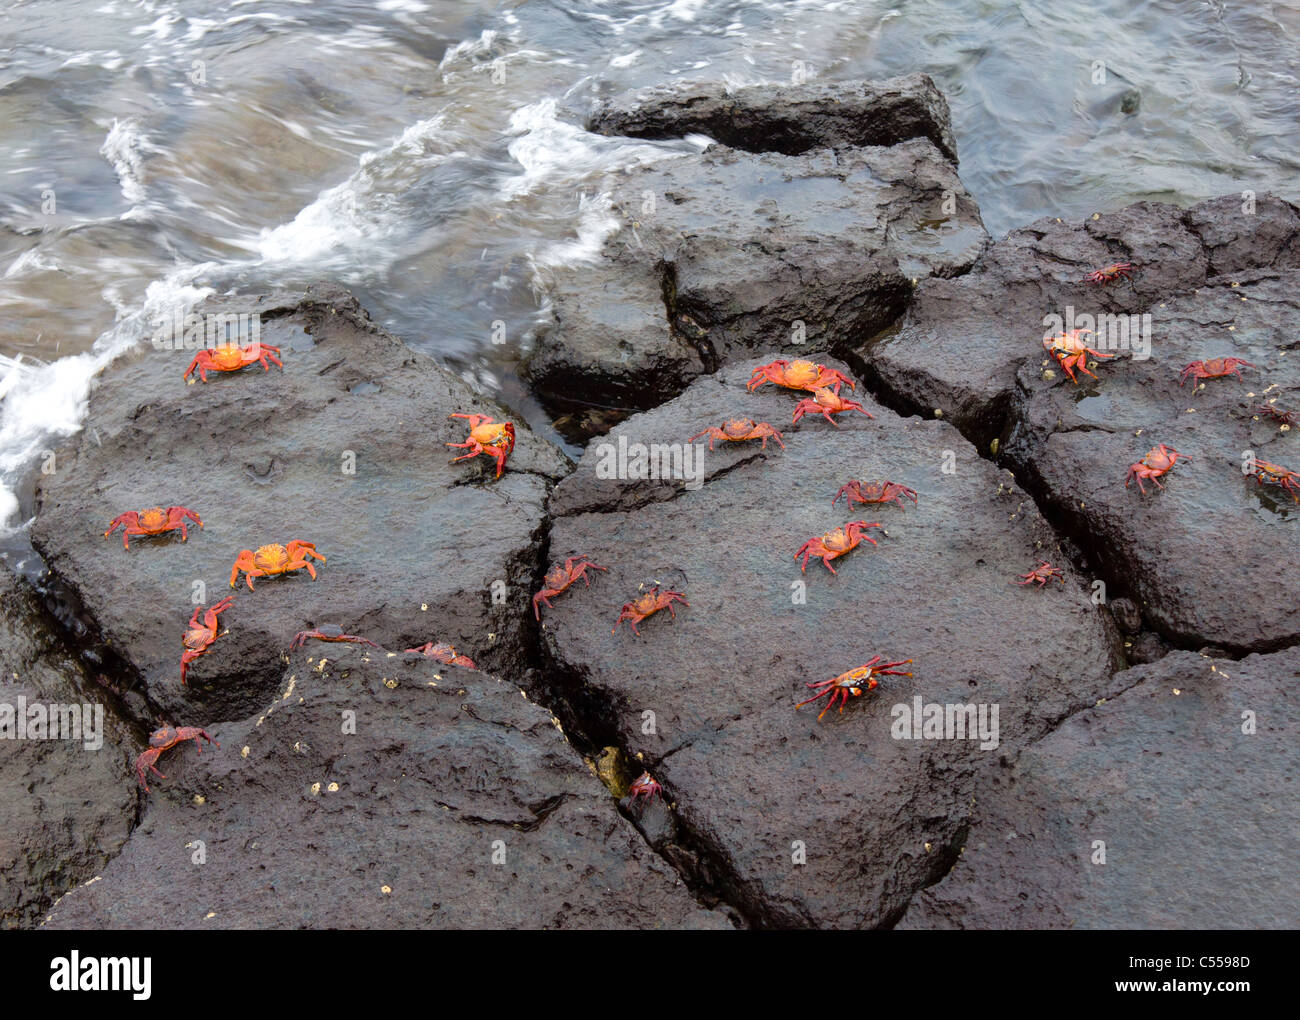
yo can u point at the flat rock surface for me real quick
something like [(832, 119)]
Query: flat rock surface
[(1197, 817), (960, 344), (707, 699), (66, 806), (378, 791), (1211, 558), (346, 448)]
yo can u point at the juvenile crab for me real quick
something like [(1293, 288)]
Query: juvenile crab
[(875, 492), (1215, 368), (275, 559), (164, 739), (1110, 273), (739, 430), (1156, 462), (647, 605), (835, 543), (798, 375), (560, 577), (231, 358), (444, 653), (1070, 352), (644, 786), (199, 636), (827, 403), (153, 521), (1277, 414), (1275, 474), (1041, 574), (854, 682), (495, 439), (327, 632)]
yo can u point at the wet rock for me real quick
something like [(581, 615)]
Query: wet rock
[(1146, 647), (785, 119), (1210, 558), (1126, 614), (66, 805), (345, 448), (1155, 778), (799, 822), (450, 802), (712, 257), (963, 340)]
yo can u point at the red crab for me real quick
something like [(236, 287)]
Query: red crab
[(835, 543), (444, 653), (644, 786), (162, 740), (1042, 573), (798, 375), (275, 559), (327, 632), (827, 403), (1157, 461), (1277, 414), (738, 430), (1070, 352), (231, 358), (1275, 474), (154, 521), (199, 636), (1110, 273), (1215, 368), (647, 605), (854, 682), (875, 492), (495, 439), (558, 579)]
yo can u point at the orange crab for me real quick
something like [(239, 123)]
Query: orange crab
[(835, 543), (875, 492), (854, 682), (647, 605), (231, 358), (1275, 474), (1041, 574), (1215, 368), (199, 636), (739, 430), (327, 632), (827, 403), (275, 559), (644, 786), (154, 521), (164, 739), (444, 653), (1070, 352), (560, 577), (495, 439), (1158, 460), (798, 375), (1110, 273)]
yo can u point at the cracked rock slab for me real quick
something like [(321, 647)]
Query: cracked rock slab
[(1211, 558), (346, 448), (1196, 817), (706, 700), (962, 340), (66, 807), (377, 791)]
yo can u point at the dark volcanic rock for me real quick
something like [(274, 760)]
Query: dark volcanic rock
[(1210, 558), (785, 119), (718, 255), (708, 698), (959, 346), (66, 806), (453, 802), (414, 543), (1197, 816)]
